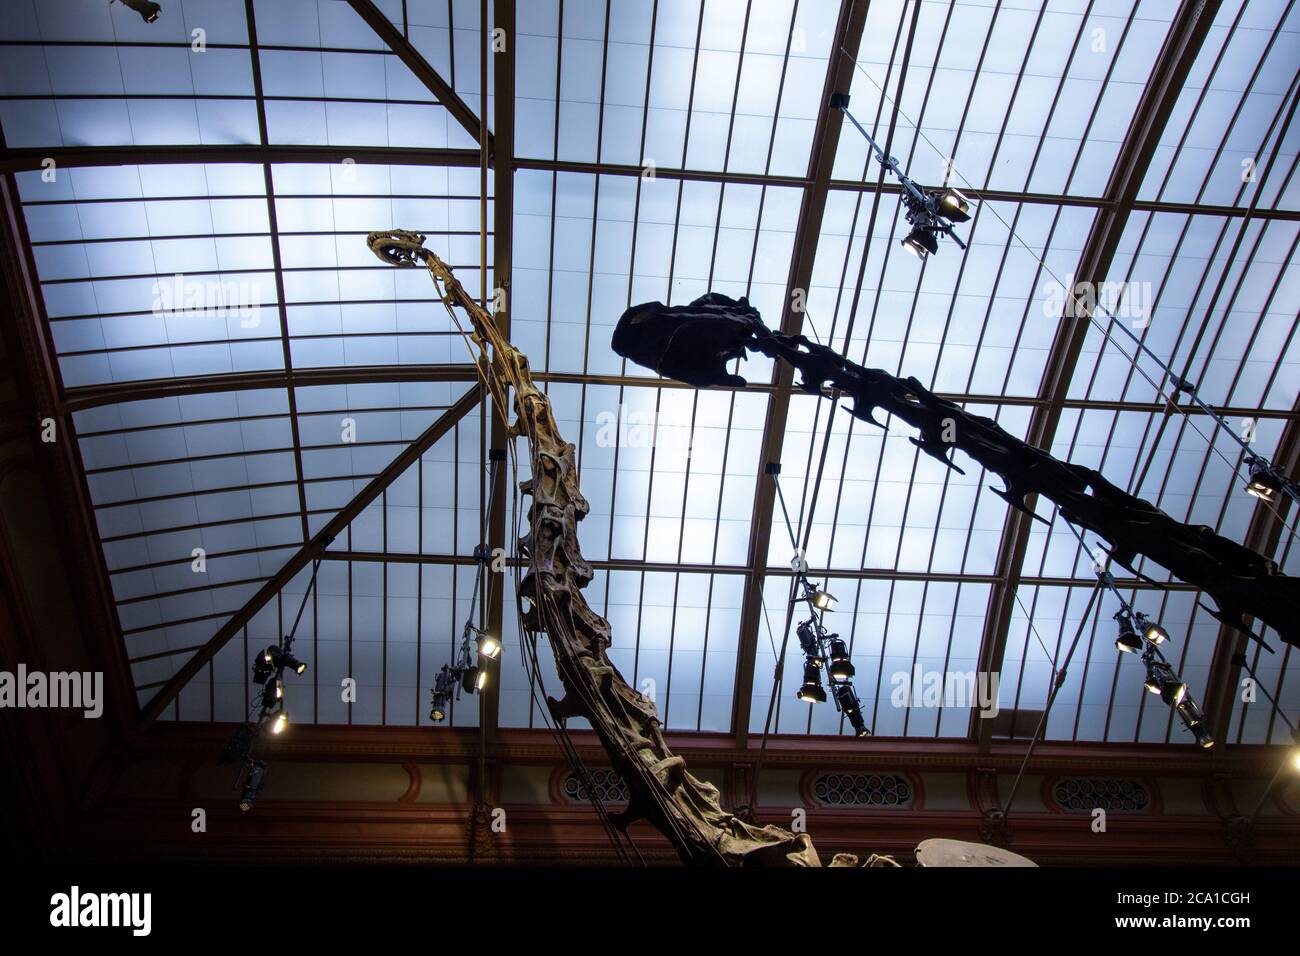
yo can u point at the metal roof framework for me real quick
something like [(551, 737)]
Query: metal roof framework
[(703, 183)]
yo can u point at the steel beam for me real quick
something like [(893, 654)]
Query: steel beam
[(19, 160), (110, 393), (503, 66), (1183, 42), (418, 65), (686, 567), (34, 365), (310, 551), (826, 138)]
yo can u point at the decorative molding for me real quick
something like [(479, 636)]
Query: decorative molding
[(1112, 794), (816, 786)]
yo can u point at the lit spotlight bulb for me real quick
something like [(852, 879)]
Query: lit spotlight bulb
[(822, 600), (1128, 641), (920, 242), (954, 205), (1264, 483), (252, 785), (1155, 634), (1173, 692), (812, 691), (281, 721), (472, 679), (489, 647), (841, 668)]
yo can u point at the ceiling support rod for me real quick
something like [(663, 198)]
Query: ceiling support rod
[(418, 65)]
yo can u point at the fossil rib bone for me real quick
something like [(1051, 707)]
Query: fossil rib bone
[(683, 808)]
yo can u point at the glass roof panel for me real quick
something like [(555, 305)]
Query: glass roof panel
[(883, 505), (1029, 96), (1102, 698), (1230, 328), (696, 84), (973, 322), (1278, 674), (1026, 96), (898, 633), (1219, 142)]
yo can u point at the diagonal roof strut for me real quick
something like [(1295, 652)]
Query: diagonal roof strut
[(426, 74), (1182, 44), (309, 552)]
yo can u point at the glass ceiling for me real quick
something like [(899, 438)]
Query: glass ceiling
[(240, 366)]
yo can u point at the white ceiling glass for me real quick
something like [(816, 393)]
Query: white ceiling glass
[(241, 366)]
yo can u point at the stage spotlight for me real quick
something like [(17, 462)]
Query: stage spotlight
[(1152, 632), (1194, 720), (280, 722), (262, 668), (847, 698), (240, 745), (809, 641), (1162, 680), (929, 211), (812, 691), (441, 692), (252, 785), (1172, 692), (280, 658), (148, 10), (953, 206), (920, 242), (1264, 483), (841, 668), (473, 679), (489, 647), (822, 600), (1128, 641), (273, 691), (438, 712)]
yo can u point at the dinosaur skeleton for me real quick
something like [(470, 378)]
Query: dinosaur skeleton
[(693, 343), (685, 809)]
